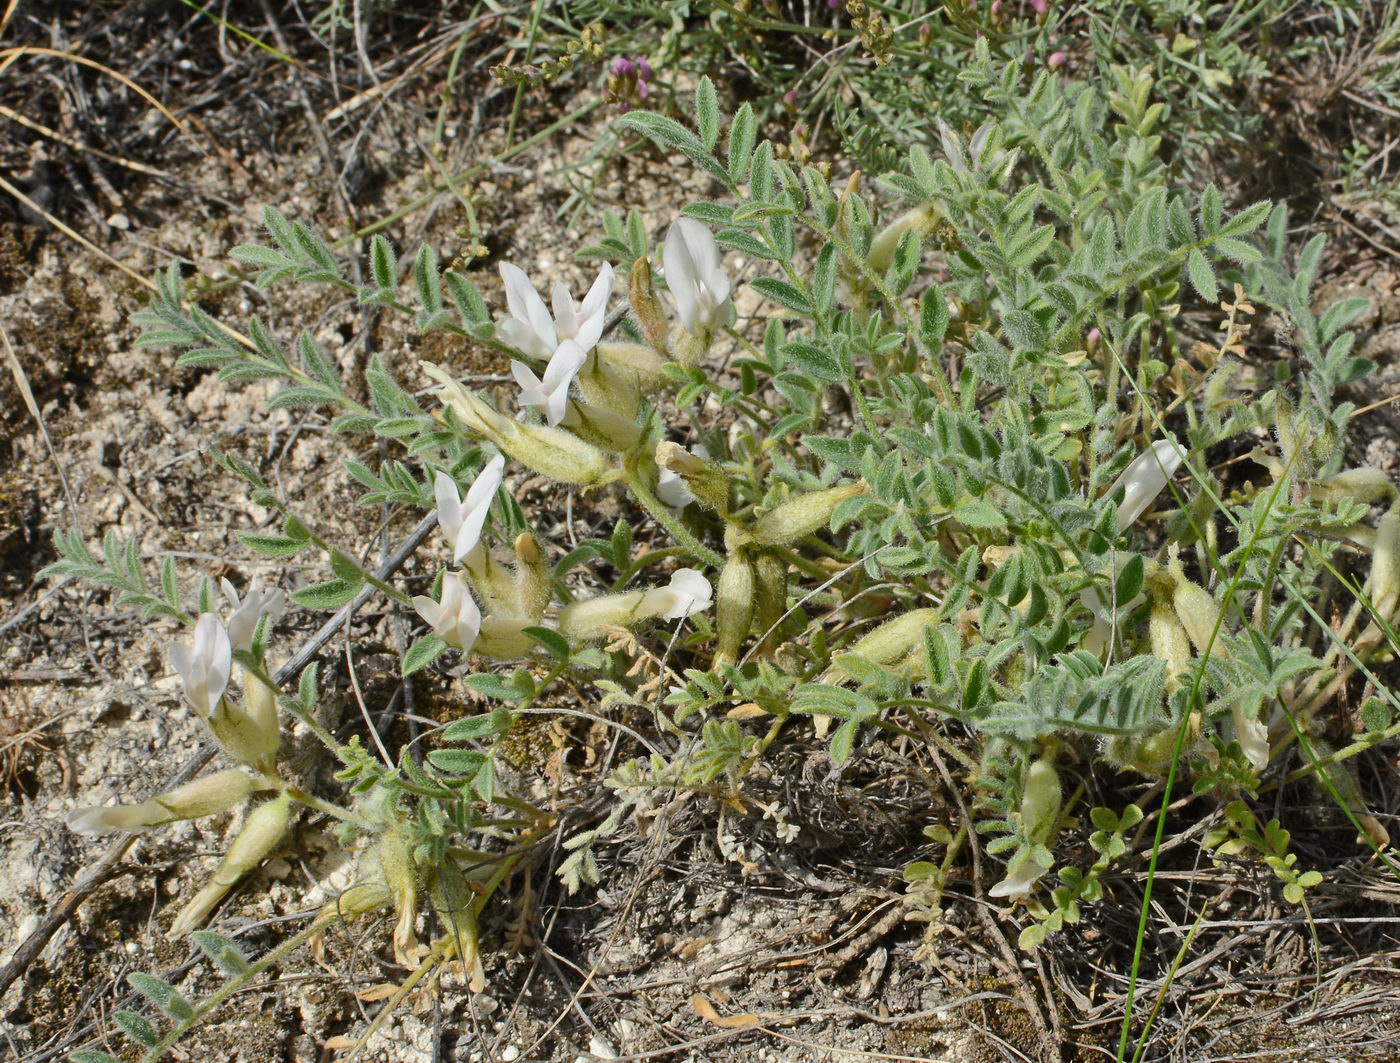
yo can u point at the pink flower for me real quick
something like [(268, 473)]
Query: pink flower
[(1056, 60)]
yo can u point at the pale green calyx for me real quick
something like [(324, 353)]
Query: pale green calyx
[(799, 517), (202, 797), (551, 452)]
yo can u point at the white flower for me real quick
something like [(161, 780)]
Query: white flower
[(249, 611), (1144, 479), (696, 277), (1019, 883), (460, 521), (205, 669), (1253, 737), (533, 331), (456, 619), (552, 393), (688, 593), (94, 822), (670, 485)]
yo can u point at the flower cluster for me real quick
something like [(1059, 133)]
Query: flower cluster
[(590, 397), (248, 731), (628, 81)]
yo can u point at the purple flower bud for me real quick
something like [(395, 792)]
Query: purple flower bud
[(1093, 337), (644, 69), (1056, 60), (996, 8), (622, 67), (643, 90), (1040, 6), (790, 97)]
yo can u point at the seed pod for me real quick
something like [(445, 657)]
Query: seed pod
[(770, 592), (1361, 485), (889, 642), (921, 220), (1383, 586)]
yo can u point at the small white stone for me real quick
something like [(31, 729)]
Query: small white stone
[(510, 1053)]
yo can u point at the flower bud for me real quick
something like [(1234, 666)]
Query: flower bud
[(202, 797), (801, 516), (262, 832), (637, 364), (1169, 642), (551, 452), (401, 876), (1361, 485), (1198, 612), (602, 428), (1383, 584), (921, 220), (688, 593), (646, 307), (770, 594), (889, 642), (532, 590), (735, 606), (704, 480)]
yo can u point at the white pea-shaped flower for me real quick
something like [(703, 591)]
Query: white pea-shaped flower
[(696, 277), (532, 330), (205, 669), (1144, 478), (248, 611), (688, 593), (461, 520), (551, 393), (455, 619)]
